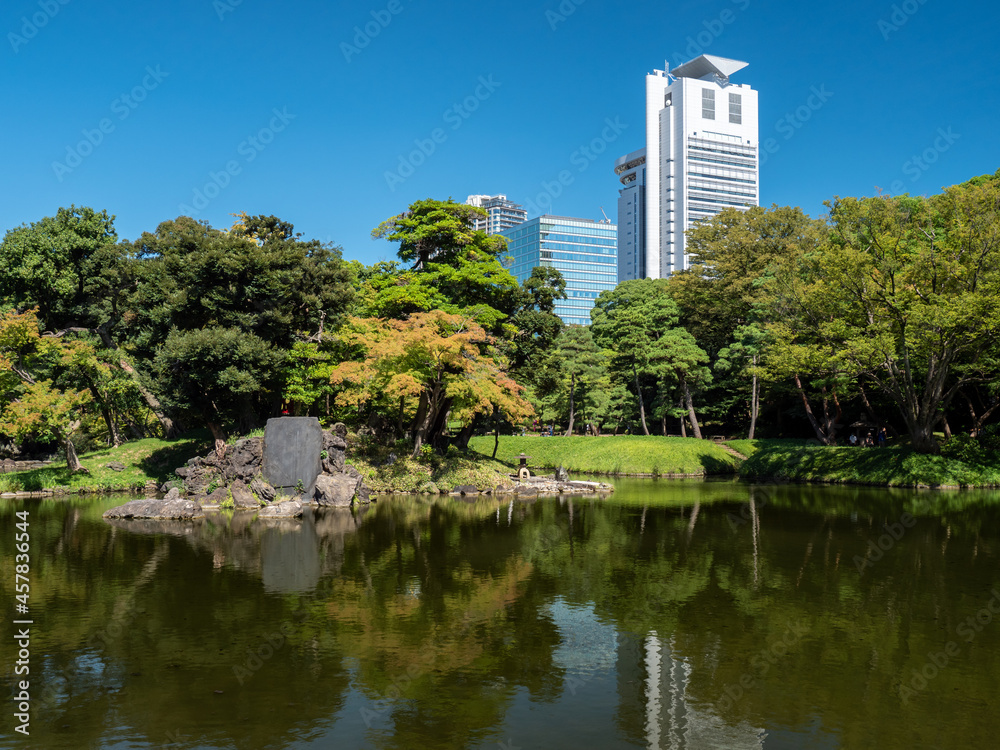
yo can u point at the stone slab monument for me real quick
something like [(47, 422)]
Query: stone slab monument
[(292, 447)]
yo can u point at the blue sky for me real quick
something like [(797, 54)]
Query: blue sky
[(337, 115)]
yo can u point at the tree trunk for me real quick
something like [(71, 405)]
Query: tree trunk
[(464, 435), (663, 423), (690, 407), (809, 412), (977, 420), (170, 428), (754, 400), (113, 432), (219, 436), (572, 405), (642, 408), (496, 436), (72, 460), (680, 405)]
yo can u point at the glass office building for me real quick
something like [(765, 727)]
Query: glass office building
[(585, 252)]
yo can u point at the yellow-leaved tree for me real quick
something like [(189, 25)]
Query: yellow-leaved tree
[(427, 369)]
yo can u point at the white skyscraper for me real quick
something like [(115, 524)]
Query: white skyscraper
[(700, 157), (503, 214)]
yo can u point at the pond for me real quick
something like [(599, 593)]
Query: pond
[(673, 614)]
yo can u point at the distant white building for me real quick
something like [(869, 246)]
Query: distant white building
[(701, 156), (503, 214)]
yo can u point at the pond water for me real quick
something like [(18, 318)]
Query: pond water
[(675, 614)]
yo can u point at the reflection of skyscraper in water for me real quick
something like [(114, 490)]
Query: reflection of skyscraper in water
[(652, 691)]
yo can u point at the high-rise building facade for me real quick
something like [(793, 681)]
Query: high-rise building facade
[(503, 214), (701, 156), (585, 252)]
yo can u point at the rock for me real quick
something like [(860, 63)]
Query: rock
[(562, 475), (115, 466), (173, 494), (336, 491), (286, 509), (340, 430), (243, 460), (336, 452), (262, 490), (362, 495), (152, 508), (242, 497), (527, 491), (218, 497), (465, 489)]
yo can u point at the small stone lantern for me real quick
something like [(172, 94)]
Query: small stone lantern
[(522, 470)]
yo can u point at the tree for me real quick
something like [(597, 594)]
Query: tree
[(638, 322), (52, 263), (46, 413), (258, 289), (576, 373), (426, 368), (456, 268), (903, 296), (537, 326)]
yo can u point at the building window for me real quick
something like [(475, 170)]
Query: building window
[(735, 109), (708, 104)]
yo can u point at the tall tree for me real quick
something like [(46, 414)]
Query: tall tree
[(903, 297), (426, 369)]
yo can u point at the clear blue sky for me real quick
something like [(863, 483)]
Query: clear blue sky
[(282, 108)]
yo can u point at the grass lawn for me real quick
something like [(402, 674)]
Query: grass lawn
[(614, 454), (897, 466), (146, 460)]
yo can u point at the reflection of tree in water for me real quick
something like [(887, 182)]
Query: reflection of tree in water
[(439, 612)]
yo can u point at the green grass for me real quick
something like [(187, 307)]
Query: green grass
[(897, 466), (432, 473), (614, 454), (749, 447), (146, 460)]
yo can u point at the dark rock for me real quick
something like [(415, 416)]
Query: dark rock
[(292, 447), (335, 448), (466, 489), (340, 430), (115, 466), (527, 491), (243, 460), (363, 495), (286, 509), (183, 471), (336, 491), (242, 497), (262, 490), (152, 508), (562, 475)]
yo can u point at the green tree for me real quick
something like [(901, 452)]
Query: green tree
[(537, 326), (577, 378), (904, 296), (455, 268), (56, 264)]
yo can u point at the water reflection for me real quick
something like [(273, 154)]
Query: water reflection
[(673, 615)]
